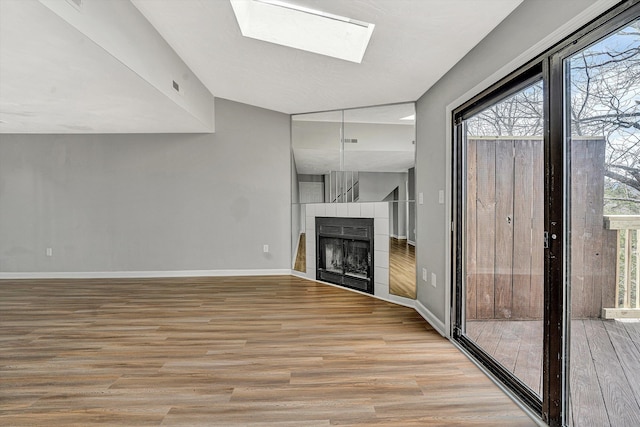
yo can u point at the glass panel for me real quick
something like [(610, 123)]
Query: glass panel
[(316, 145), (357, 261), (299, 238), (603, 157), (379, 143), (503, 233), (315, 152), (332, 255)]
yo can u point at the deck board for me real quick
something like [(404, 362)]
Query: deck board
[(621, 405), (604, 368), (587, 403)]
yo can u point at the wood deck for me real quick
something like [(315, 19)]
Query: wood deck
[(254, 351), (604, 368)]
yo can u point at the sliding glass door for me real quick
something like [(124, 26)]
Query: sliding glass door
[(547, 227), (602, 164), (502, 222)]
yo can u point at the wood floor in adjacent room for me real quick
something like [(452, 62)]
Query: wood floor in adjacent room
[(402, 268), (257, 351)]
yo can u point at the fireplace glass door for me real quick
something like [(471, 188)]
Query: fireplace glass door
[(345, 252), (357, 259), (332, 255)]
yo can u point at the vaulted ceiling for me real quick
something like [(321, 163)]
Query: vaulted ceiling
[(57, 76)]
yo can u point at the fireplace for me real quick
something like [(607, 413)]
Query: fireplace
[(344, 252)]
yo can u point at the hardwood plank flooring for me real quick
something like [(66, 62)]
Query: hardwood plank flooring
[(402, 268), (604, 370), (252, 351)]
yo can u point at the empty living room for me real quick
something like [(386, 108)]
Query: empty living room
[(320, 212)]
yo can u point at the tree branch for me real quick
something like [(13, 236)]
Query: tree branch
[(622, 179)]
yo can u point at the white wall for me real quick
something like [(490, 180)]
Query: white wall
[(530, 23), (169, 202), (120, 29)]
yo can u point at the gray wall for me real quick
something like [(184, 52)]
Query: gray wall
[(149, 202), (531, 22), (411, 227), (375, 186)]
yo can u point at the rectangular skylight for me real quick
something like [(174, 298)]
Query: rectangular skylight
[(302, 28)]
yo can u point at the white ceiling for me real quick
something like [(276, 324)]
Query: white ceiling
[(414, 43), (53, 79)]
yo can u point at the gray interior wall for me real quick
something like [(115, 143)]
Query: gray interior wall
[(375, 186), (149, 202), (411, 227), (393, 212), (311, 188), (530, 23)]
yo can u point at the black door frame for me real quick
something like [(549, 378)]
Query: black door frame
[(521, 78)]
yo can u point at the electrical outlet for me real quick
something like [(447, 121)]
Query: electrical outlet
[(265, 249), (421, 198), (433, 279), (424, 274), (49, 251), (441, 197)]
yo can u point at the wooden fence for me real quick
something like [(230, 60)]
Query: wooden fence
[(505, 227), (593, 248)]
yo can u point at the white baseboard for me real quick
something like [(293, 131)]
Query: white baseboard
[(394, 299), (299, 274), (433, 320), (411, 242), (143, 274)]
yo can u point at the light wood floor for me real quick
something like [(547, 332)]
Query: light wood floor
[(259, 351), (604, 370), (402, 268)]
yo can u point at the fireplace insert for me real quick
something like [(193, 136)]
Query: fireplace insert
[(344, 252)]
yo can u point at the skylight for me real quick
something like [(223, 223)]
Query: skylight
[(302, 28)]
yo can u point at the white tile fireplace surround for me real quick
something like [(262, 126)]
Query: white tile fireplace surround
[(379, 211)]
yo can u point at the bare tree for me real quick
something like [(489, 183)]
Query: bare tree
[(518, 115), (604, 93), (605, 98)]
